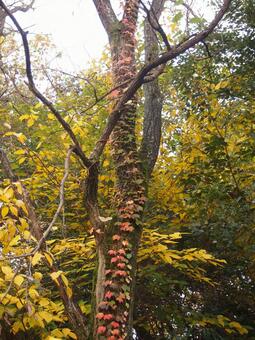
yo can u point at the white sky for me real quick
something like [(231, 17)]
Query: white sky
[(74, 27)]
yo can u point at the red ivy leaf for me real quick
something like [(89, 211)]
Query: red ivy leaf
[(101, 330), (121, 251), (108, 316), (127, 228), (112, 252), (116, 237), (121, 258), (114, 259), (115, 332), (115, 324), (121, 265), (108, 295), (107, 283), (121, 273), (103, 305)]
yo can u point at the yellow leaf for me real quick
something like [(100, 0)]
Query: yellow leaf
[(51, 116), (48, 258), (67, 332), (63, 277), (17, 326), (24, 117), (55, 275), (46, 316), (26, 235), (69, 292), (30, 122), (21, 138), (14, 211), (36, 258), (7, 270), (33, 293), (9, 193), (23, 222), (44, 302), (38, 276), (4, 211), (58, 333), (14, 241), (21, 205), (19, 279), (22, 160), (39, 320), (19, 305), (20, 152)]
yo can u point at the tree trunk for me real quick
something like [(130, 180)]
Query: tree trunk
[(117, 251)]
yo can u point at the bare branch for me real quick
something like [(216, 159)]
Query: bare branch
[(78, 150), (152, 17), (22, 8)]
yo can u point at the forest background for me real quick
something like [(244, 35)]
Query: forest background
[(194, 265)]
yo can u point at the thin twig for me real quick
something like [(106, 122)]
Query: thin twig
[(61, 201)]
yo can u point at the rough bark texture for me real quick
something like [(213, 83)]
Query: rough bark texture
[(117, 257), (153, 98)]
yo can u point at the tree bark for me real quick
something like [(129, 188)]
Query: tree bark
[(117, 251), (152, 94)]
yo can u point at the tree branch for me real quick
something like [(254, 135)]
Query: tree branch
[(22, 8), (78, 150), (61, 202), (139, 79), (153, 19)]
